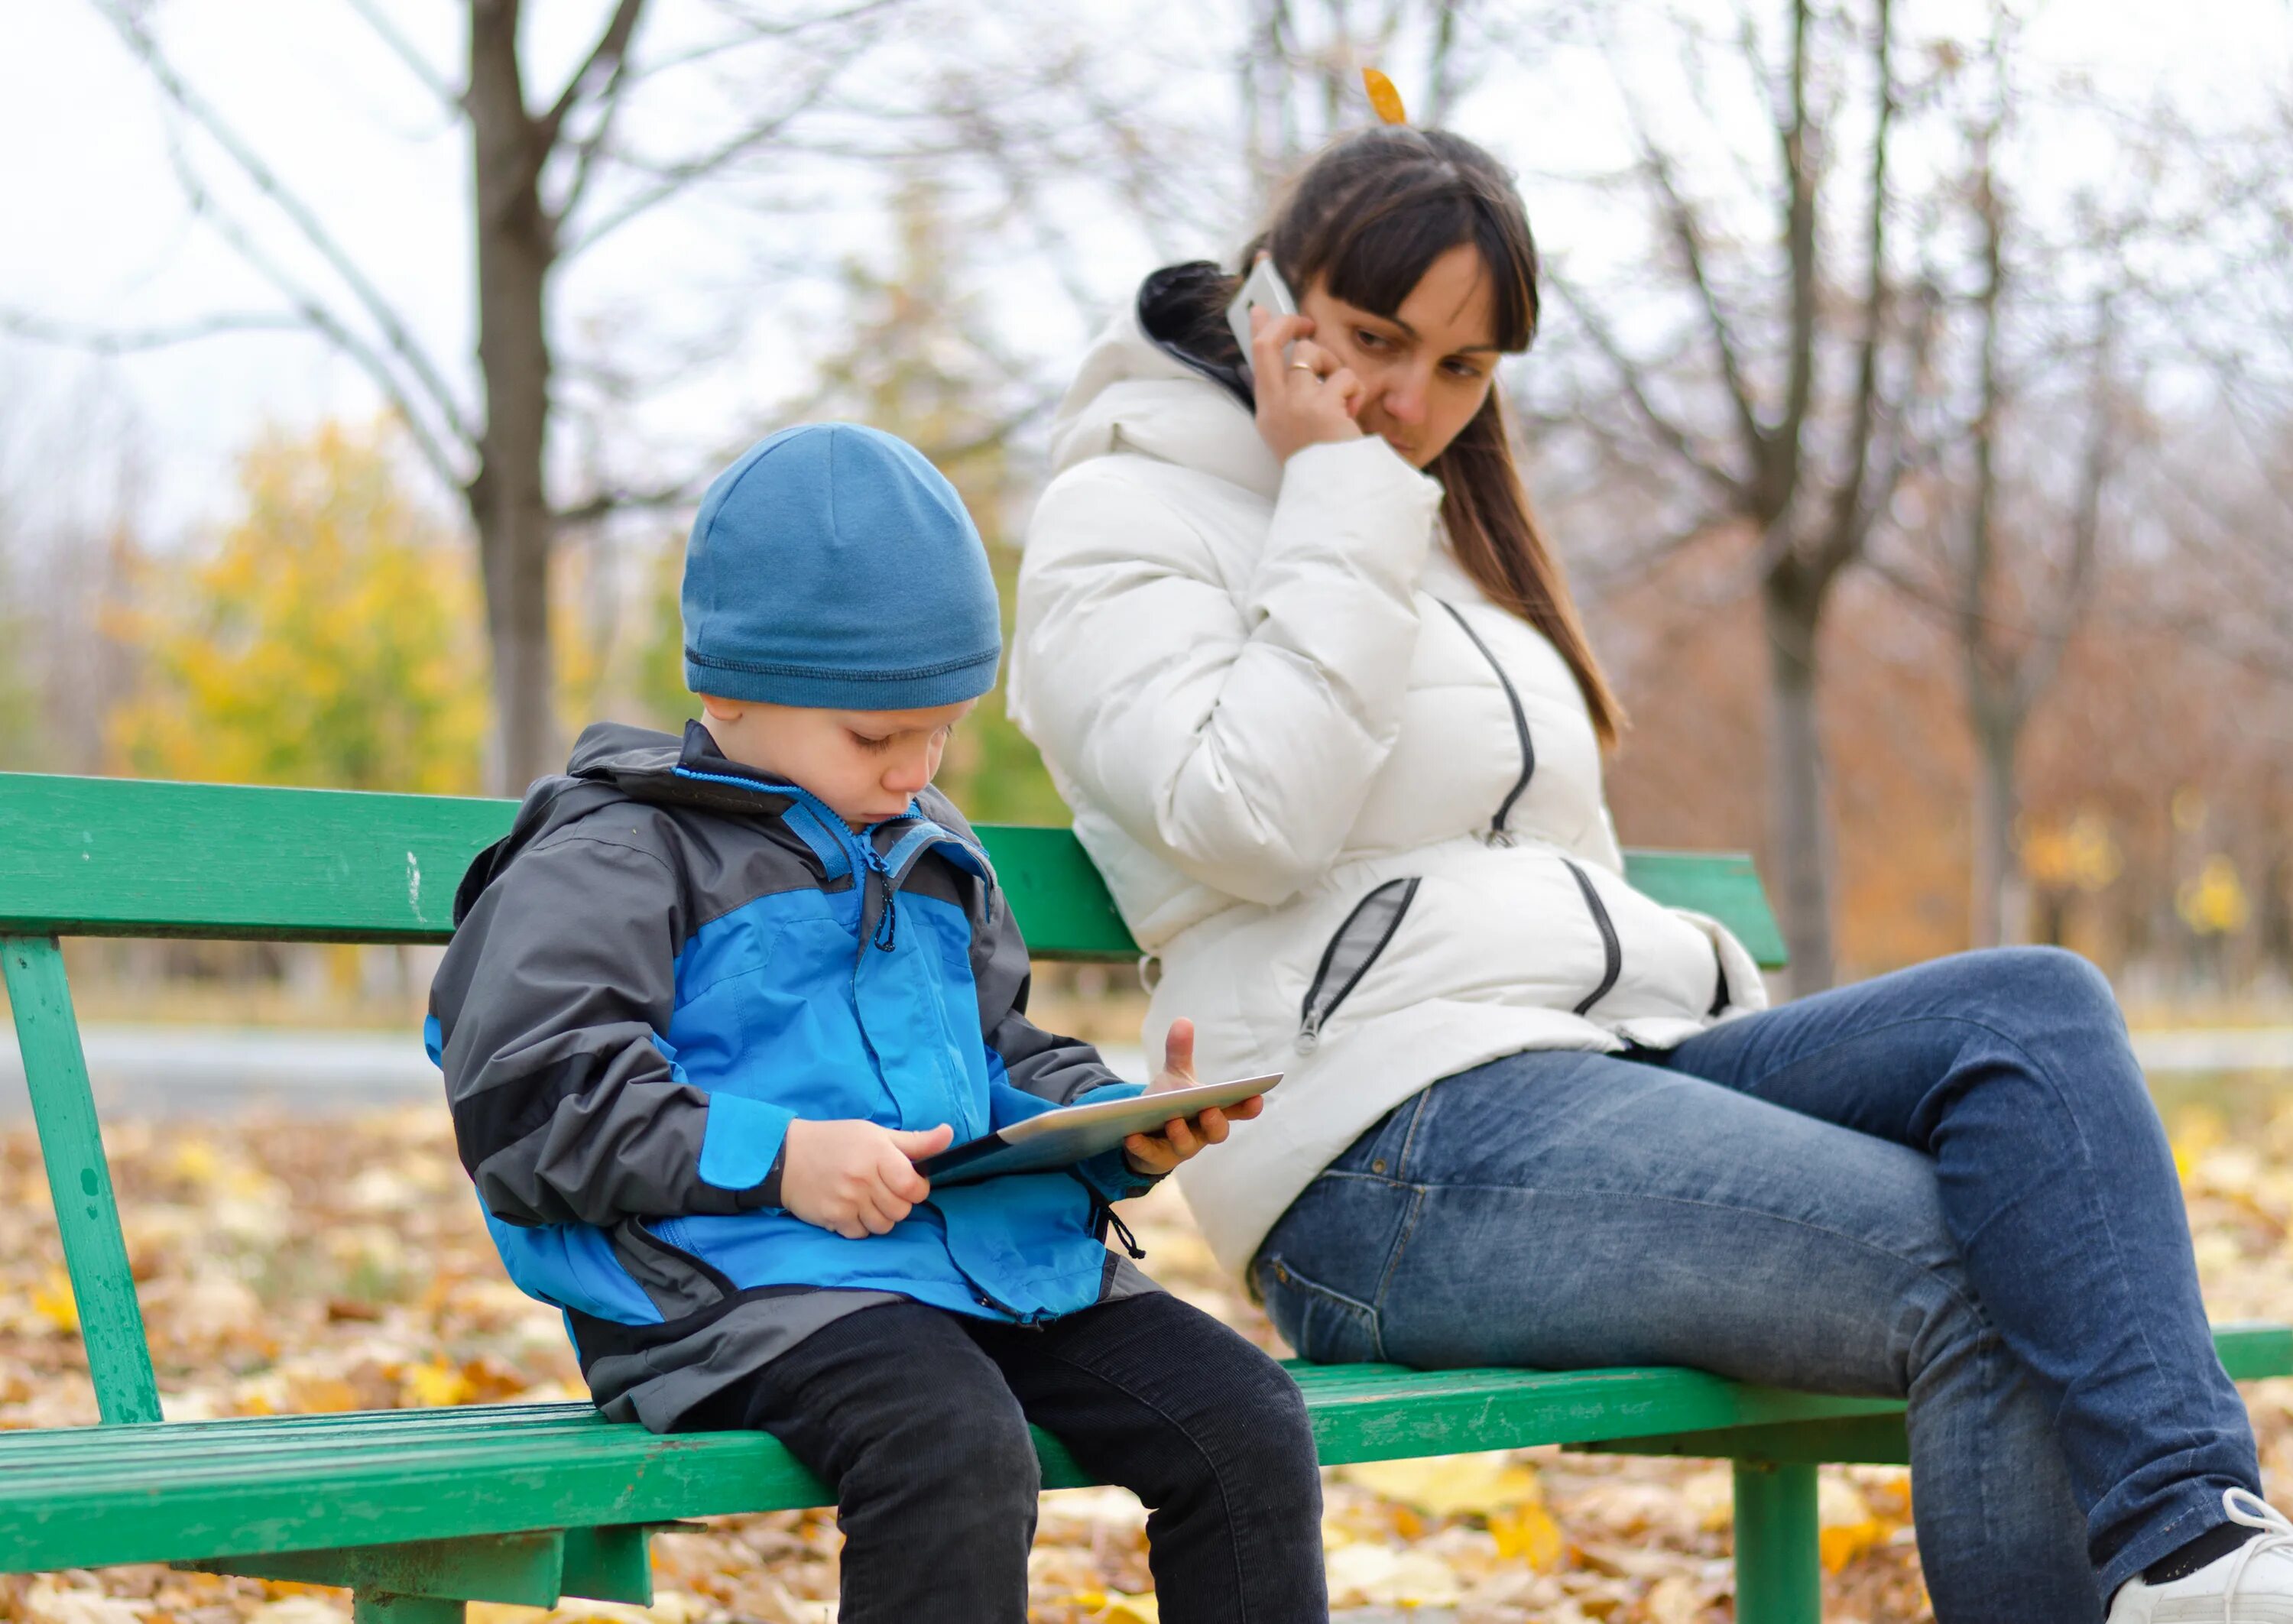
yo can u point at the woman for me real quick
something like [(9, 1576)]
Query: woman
[(1313, 686)]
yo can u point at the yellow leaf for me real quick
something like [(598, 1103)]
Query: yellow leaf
[(1445, 1485), (52, 1300), (1838, 1547), (1530, 1533), (436, 1384), (1383, 97), (1118, 1608)]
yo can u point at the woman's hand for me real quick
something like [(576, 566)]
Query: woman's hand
[(1305, 400), (1156, 1154), (855, 1177)]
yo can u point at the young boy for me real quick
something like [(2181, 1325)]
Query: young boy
[(712, 995)]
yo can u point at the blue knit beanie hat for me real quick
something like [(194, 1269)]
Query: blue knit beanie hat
[(833, 567)]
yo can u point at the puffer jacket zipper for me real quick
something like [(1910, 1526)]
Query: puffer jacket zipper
[(1498, 833), (1612, 950), (1364, 934)]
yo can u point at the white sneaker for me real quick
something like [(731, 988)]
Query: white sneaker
[(2252, 1585)]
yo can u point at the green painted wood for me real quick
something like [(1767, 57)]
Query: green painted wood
[(523, 1568), (383, 1607), (123, 857), (610, 1564), (79, 1180), (1859, 1440), (127, 857), (1055, 893), (182, 1491), (1723, 884), (1779, 1574), (2250, 1351)]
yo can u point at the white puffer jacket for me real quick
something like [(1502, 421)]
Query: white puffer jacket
[(1351, 806)]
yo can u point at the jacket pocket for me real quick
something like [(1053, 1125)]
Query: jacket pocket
[(1366, 931), (1612, 950), (660, 1254)]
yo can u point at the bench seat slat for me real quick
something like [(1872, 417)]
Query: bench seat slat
[(91, 1496)]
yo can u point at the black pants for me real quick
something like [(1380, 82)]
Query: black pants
[(918, 1418)]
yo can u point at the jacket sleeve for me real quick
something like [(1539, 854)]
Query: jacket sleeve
[(1031, 1071), (1233, 728), (547, 1016)]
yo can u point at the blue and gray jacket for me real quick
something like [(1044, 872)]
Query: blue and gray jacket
[(670, 958)]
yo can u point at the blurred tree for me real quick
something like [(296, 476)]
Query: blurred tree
[(330, 637), (548, 182), (20, 707), (1757, 362), (922, 363)]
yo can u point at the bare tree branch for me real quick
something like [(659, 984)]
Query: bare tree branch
[(1676, 439), (604, 58), (314, 315), (674, 178), (145, 47), (432, 81), (1851, 507), (124, 341)]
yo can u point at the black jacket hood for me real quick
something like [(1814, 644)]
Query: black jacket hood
[(1182, 312), (615, 762)]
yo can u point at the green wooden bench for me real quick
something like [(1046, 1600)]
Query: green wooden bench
[(420, 1511)]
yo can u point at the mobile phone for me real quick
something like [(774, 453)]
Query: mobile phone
[(1263, 288)]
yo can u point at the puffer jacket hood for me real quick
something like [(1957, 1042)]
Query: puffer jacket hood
[(669, 960), (1350, 807)]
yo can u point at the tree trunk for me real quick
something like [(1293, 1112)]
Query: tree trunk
[(508, 499), (1996, 914), (1799, 830)]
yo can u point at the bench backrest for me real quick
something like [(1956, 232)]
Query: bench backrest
[(118, 857)]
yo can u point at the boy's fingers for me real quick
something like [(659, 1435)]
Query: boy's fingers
[(1242, 1110), (912, 1143), (1178, 1047), (1211, 1125)]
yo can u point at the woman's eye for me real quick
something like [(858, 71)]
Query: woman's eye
[(1465, 369), (1368, 340)]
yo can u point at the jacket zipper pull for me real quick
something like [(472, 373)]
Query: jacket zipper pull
[(1500, 837), (887, 927), (1309, 1035)]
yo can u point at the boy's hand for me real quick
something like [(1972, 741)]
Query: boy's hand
[(854, 1177), (1156, 1154)]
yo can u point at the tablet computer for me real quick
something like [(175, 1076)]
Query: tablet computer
[(1076, 1133)]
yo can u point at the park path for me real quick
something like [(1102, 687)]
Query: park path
[(205, 1072)]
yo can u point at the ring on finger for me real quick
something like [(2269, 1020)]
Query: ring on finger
[(1301, 366)]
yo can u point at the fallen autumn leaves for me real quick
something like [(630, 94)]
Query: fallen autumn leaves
[(299, 1265)]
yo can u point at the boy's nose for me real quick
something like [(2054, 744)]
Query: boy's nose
[(910, 773)]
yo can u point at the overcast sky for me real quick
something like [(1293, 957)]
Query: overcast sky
[(97, 229)]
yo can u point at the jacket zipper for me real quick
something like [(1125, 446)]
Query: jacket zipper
[(1379, 912), (1611, 949), (1498, 833)]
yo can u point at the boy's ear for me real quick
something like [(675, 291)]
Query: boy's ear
[(724, 710)]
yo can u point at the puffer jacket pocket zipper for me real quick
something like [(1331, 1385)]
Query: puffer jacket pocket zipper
[(1365, 933), (1612, 950), (1498, 833)]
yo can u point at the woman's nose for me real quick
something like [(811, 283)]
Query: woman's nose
[(1405, 399)]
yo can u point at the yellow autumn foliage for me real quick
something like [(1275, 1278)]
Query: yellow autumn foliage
[(330, 635)]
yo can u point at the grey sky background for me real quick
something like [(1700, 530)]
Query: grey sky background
[(99, 233)]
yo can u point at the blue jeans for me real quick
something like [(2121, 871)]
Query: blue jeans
[(1948, 1185)]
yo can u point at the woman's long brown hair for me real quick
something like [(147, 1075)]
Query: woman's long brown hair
[(1368, 218)]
